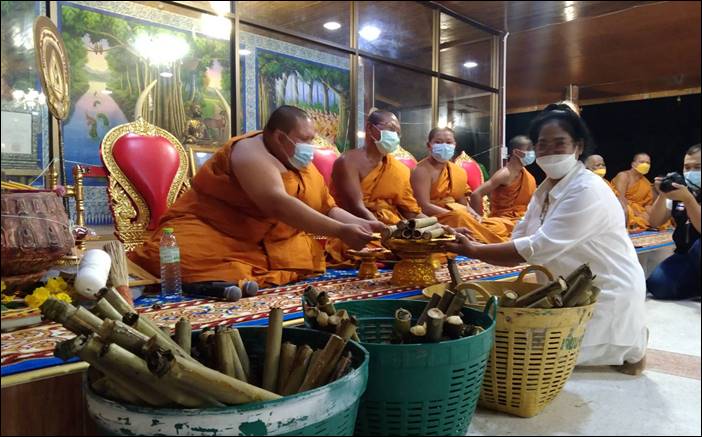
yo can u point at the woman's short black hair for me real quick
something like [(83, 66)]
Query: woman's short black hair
[(568, 120)]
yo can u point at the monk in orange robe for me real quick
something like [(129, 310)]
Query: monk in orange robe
[(636, 192), (441, 188), (253, 209), (370, 183), (511, 187)]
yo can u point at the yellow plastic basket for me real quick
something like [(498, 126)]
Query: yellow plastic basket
[(535, 349)]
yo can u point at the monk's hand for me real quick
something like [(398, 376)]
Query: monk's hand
[(462, 246), (355, 236), (680, 193), (373, 226)]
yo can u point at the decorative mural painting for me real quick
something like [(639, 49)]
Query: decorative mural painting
[(129, 60), (24, 112)]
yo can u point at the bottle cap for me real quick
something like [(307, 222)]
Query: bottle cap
[(167, 230)]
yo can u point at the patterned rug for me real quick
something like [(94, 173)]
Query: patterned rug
[(32, 348)]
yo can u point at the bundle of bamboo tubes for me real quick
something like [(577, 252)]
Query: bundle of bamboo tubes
[(575, 290), (320, 314), (415, 229), (133, 360)]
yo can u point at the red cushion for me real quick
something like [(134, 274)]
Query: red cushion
[(150, 163), (411, 163), (475, 175), (324, 161)]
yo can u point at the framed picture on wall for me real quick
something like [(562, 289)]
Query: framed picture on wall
[(198, 156)]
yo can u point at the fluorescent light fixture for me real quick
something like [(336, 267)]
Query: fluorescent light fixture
[(106, 92), (369, 33), (220, 7), (470, 64), (215, 26), (361, 134), (166, 74), (332, 25), (244, 52)]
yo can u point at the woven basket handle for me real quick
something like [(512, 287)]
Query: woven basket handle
[(531, 268), (477, 287)]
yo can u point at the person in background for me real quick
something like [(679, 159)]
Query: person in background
[(678, 277), (596, 164), (573, 219), (512, 186), (441, 189), (252, 209), (636, 192)]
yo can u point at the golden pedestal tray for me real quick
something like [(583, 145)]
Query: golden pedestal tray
[(368, 268), (418, 265)]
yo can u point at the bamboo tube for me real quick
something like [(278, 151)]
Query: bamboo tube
[(583, 270), (116, 300), (433, 303), (173, 370), (430, 227), (141, 324), (454, 327), (273, 340), (325, 304), (557, 286), (407, 233), (241, 352), (435, 325), (430, 235), (388, 232), (576, 290), (342, 367), (319, 371), (123, 394), (106, 310), (287, 356), (119, 271), (347, 329), (114, 331), (584, 298), (595, 293), (509, 298), (416, 234), (165, 330), (311, 314), (418, 333), (422, 222), (446, 300), (205, 346), (402, 324), (224, 353), (77, 320), (457, 303), (343, 315), (334, 322), (322, 320), (298, 370), (184, 334), (477, 329), (311, 294), (401, 225)]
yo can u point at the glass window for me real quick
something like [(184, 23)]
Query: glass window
[(400, 32), (280, 70), (328, 21), (25, 142), (402, 91), (468, 112), (465, 51)]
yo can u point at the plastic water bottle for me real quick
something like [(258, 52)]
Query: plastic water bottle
[(170, 263)]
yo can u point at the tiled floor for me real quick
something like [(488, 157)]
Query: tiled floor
[(665, 400)]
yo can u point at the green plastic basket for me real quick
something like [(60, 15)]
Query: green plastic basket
[(328, 410), (419, 389)]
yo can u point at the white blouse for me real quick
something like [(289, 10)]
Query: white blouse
[(581, 221)]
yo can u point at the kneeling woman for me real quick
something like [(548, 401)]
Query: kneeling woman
[(574, 218)]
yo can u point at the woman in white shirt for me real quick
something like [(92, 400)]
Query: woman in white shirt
[(574, 218)]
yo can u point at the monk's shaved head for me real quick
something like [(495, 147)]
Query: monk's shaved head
[(379, 116), (642, 157), (594, 162), (285, 119)]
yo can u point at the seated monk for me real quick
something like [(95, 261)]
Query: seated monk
[(511, 187), (636, 192), (596, 164), (370, 183), (441, 186), (253, 208)]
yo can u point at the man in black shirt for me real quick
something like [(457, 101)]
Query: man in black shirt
[(678, 277)]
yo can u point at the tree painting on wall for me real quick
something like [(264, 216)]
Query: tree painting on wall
[(320, 89), (123, 67)]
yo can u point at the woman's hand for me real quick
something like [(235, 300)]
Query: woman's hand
[(462, 246)]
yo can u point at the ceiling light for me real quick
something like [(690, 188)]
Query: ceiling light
[(219, 7), (332, 25), (244, 52), (106, 92), (470, 64), (361, 134), (166, 74), (369, 33)]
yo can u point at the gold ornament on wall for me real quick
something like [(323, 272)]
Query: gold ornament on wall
[(53, 66)]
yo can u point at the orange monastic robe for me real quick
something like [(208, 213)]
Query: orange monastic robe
[(451, 184), (511, 201), (223, 235), (385, 189), (639, 198)]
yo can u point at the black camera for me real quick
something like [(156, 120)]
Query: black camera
[(669, 179)]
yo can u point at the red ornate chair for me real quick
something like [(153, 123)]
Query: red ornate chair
[(405, 157), (324, 156), (475, 176), (146, 170)]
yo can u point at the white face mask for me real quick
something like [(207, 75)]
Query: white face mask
[(442, 152), (557, 166), (388, 142)]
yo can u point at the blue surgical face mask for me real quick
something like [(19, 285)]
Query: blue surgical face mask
[(529, 157), (693, 178), (388, 142), (302, 156), (442, 152)]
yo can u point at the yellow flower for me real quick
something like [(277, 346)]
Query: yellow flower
[(36, 299), (6, 298), (64, 297), (57, 284)]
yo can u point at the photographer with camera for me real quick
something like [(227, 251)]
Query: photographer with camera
[(678, 277)]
